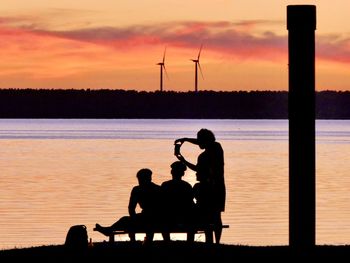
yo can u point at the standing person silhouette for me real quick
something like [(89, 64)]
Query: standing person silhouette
[(210, 164), (148, 196)]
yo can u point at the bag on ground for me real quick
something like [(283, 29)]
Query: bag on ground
[(77, 237)]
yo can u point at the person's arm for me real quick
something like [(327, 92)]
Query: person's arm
[(132, 202), (187, 163), (190, 140), (181, 158)]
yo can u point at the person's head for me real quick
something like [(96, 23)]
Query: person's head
[(178, 169), (144, 176), (205, 137)]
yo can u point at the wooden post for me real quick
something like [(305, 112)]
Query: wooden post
[(301, 25)]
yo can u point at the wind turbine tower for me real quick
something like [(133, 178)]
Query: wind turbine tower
[(196, 66), (162, 66)]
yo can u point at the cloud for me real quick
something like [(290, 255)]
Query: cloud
[(233, 39), (239, 40), (242, 40), (333, 48)]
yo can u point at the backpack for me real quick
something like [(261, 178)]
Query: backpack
[(77, 237)]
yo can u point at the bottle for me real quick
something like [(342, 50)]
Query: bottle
[(90, 243)]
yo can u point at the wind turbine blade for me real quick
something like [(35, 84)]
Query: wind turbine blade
[(166, 73), (164, 55), (200, 50), (200, 69)]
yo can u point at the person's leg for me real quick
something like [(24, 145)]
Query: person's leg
[(204, 218), (148, 238), (126, 223), (218, 227), (218, 232), (132, 225), (209, 236), (166, 236), (123, 223), (190, 236), (132, 237), (106, 230)]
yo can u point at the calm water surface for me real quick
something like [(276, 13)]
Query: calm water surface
[(58, 173)]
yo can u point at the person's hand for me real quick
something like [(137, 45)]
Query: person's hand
[(180, 157)]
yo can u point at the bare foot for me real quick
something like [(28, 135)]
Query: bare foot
[(104, 230)]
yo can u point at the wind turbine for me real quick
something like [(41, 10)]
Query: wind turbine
[(162, 66), (196, 65)]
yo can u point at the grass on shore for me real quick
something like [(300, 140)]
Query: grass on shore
[(175, 251)]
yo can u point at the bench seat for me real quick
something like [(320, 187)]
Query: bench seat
[(178, 228)]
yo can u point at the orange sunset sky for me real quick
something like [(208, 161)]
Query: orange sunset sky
[(116, 44)]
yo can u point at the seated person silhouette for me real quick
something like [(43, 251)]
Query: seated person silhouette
[(147, 195), (178, 201), (204, 212)]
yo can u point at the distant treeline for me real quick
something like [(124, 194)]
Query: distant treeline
[(50, 103)]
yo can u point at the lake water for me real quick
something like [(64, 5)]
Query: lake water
[(59, 173)]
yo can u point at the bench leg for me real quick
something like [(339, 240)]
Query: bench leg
[(132, 237), (190, 236)]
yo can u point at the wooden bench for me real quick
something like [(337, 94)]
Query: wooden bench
[(157, 229)]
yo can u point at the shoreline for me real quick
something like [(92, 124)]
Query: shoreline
[(131, 104)]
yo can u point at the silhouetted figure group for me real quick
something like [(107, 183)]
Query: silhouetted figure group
[(176, 202)]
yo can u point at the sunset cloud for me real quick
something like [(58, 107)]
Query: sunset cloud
[(333, 48), (33, 52), (242, 40), (41, 55), (232, 39)]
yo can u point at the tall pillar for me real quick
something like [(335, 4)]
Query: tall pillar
[(301, 25)]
